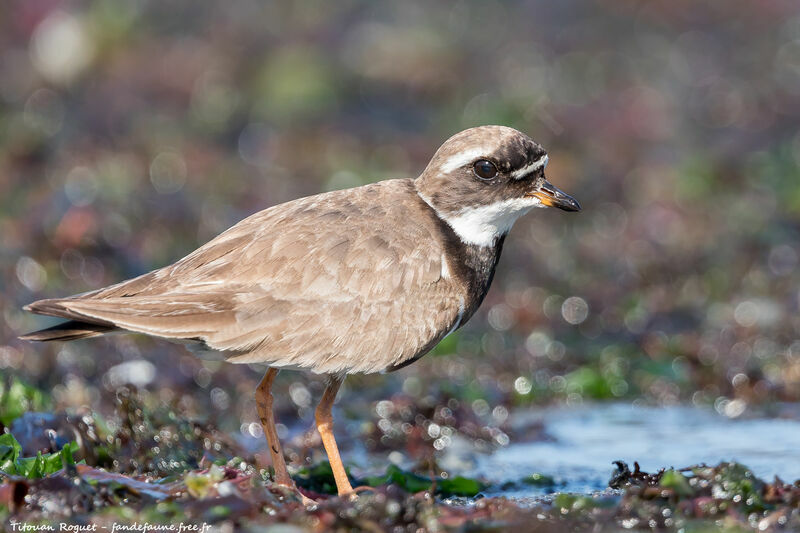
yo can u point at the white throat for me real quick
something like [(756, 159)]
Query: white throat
[(483, 225)]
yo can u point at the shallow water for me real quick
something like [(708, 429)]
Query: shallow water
[(586, 440)]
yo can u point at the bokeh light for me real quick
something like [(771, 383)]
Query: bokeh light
[(132, 133)]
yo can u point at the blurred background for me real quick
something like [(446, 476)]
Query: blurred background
[(132, 132)]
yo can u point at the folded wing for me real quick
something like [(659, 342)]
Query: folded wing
[(314, 283)]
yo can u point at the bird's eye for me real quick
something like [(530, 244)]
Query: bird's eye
[(484, 169)]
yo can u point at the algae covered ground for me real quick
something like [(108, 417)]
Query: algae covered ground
[(146, 466)]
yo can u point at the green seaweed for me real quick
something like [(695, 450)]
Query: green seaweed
[(17, 398), (570, 503), (737, 483), (411, 482), (42, 465), (539, 480), (319, 478), (199, 484), (672, 479)]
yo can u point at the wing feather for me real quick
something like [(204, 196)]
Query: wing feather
[(318, 282)]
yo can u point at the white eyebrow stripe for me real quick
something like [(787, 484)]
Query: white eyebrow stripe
[(533, 167), (461, 159)]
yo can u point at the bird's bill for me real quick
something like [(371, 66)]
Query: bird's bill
[(552, 196)]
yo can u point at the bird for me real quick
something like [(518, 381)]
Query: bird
[(361, 280)]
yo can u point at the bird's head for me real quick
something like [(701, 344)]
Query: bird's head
[(481, 180)]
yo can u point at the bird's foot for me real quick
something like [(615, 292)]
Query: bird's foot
[(348, 496), (306, 501), (353, 494), (290, 490)]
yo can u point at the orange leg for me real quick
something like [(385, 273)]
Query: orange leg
[(264, 405), (325, 428)]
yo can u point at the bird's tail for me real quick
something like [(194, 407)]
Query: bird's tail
[(75, 328), (68, 331)]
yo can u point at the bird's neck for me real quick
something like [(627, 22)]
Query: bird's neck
[(472, 264), (481, 262), (481, 225)]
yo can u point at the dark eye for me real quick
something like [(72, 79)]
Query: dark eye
[(484, 169)]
